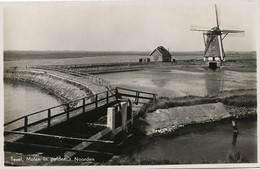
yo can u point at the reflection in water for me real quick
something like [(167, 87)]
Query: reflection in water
[(178, 83), (234, 140), (214, 81), (235, 133), (160, 82)]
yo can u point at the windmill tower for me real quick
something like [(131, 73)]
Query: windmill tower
[(214, 53)]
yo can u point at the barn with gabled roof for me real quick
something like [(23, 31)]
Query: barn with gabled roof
[(160, 54)]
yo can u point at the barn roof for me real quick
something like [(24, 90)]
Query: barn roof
[(162, 51)]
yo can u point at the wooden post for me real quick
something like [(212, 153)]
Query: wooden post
[(234, 126), (154, 97), (96, 100), (234, 140), (49, 118), (107, 97), (124, 115), (116, 94), (137, 97), (84, 103), (25, 123), (131, 111), (68, 111), (111, 119)]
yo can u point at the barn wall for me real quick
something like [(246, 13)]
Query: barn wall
[(156, 56), (167, 58)]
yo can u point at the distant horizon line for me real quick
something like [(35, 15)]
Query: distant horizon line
[(115, 51)]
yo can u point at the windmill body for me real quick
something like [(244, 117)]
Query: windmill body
[(214, 54)]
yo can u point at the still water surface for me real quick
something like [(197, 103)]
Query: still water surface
[(176, 83), (208, 143), (23, 98)]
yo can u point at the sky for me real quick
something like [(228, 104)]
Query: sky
[(125, 25)]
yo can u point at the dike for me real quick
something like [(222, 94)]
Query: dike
[(163, 121), (62, 88)]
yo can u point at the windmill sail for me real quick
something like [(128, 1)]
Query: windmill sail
[(216, 15), (214, 53), (231, 31), (194, 29)]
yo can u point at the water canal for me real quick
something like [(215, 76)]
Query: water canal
[(22, 98), (208, 143)]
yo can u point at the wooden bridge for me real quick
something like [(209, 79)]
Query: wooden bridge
[(93, 125)]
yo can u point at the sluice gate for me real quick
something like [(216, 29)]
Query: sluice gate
[(88, 127)]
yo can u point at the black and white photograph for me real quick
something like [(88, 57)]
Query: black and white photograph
[(147, 84)]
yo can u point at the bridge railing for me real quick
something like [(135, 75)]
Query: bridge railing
[(136, 94), (48, 115), (82, 105)]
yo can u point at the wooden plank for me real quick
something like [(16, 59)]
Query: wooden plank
[(84, 144), (42, 125), (128, 136), (59, 137), (44, 147), (13, 121), (118, 130), (141, 97), (95, 124), (135, 91)]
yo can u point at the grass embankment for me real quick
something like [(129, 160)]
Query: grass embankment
[(64, 89), (246, 65), (244, 104), (98, 68), (242, 65)]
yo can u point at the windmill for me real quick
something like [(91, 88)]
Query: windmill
[(214, 53)]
